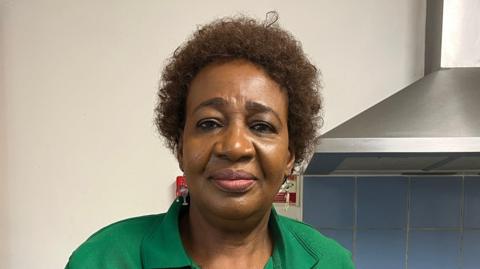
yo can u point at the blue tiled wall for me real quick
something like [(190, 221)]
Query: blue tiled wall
[(398, 221)]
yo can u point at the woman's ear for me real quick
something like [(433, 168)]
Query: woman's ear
[(290, 162), (179, 151)]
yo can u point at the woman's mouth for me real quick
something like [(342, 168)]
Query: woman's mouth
[(235, 181)]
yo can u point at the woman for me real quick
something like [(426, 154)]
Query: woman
[(238, 105)]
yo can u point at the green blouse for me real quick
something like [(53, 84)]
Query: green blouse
[(154, 242)]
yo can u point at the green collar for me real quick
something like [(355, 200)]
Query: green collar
[(163, 247), (290, 250)]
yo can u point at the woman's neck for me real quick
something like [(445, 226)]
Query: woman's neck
[(217, 243)]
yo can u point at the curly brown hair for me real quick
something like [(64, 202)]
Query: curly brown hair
[(263, 44)]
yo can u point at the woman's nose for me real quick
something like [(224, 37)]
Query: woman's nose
[(235, 144)]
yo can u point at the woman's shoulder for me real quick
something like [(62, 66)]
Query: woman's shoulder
[(316, 242), (115, 244), (127, 229)]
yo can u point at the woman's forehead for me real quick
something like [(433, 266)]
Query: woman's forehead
[(235, 83)]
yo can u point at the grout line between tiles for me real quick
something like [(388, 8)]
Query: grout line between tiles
[(424, 229), (437, 229), (462, 220), (354, 230), (407, 222)]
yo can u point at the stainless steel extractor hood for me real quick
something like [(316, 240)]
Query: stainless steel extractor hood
[(430, 127)]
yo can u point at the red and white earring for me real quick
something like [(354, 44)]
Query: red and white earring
[(182, 190)]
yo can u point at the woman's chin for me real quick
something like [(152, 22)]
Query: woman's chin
[(240, 208)]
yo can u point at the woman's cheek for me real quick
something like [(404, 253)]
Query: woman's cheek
[(198, 155)]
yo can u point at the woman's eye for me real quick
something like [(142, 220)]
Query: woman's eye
[(262, 127), (208, 124)]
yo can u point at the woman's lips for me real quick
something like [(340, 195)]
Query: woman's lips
[(234, 185), (235, 181)]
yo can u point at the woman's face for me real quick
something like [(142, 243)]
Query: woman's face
[(234, 147)]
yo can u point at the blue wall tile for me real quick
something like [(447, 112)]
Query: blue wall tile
[(382, 202), (471, 249), (380, 249), (472, 203), (328, 201), (343, 237), (435, 201), (434, 249)]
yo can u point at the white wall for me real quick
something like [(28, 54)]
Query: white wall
[(78, 79), (461, 33)]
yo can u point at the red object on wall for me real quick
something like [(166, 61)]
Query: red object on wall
[(290, 187), (281, 197)]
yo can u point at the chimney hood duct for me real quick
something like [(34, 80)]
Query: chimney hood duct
[(429, 127)]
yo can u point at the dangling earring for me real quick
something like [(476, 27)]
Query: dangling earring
[(184, 194), (182, 190)]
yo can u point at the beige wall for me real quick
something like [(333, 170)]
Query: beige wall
[(78, 78), (3, 151), (461, 33)]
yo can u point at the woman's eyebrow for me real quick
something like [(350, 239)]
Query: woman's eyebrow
[(261, 108), (249, 106), (215, 102)]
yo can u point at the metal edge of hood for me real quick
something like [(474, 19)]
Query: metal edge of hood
[(401, 145), (440, 111), (437, 116)]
